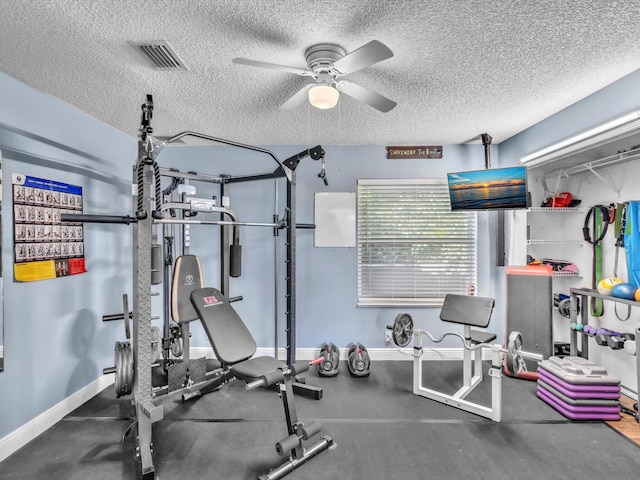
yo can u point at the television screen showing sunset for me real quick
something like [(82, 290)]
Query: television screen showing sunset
[(500, 188)]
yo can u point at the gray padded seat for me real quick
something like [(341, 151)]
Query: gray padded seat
[(482, 337), (256, 367)]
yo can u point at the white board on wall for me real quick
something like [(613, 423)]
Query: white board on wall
[(335, 219)]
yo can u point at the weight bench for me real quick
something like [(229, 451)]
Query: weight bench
[(468, 311), (187, 277), (234, 346)]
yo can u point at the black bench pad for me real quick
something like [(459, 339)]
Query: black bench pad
[(256, 367), (482, 337), (231, 340), (467, 310)]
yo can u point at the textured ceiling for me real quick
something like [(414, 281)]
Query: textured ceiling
[(460, 68)]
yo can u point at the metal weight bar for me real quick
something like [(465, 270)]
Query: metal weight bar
[(402, 331), (82, 218), (126, 316)]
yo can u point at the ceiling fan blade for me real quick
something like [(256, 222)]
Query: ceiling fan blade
[(298, 98), (368, 54), (272, 66), (365, 95)]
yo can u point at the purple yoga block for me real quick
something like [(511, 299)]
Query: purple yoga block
[(580, 391), (574, 412)]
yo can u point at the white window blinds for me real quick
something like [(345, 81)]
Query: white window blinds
[(412, 249)]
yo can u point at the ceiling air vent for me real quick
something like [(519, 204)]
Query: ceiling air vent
[(160, 55)]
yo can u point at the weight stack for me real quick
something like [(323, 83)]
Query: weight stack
[(530, 311), (579, 389)]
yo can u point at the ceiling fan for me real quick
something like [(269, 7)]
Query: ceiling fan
[(327, 64)]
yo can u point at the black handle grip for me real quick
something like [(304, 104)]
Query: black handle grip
[(79, 218)]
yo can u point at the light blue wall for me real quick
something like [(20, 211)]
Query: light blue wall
[(54, 340), (326, 278), (611, 102)]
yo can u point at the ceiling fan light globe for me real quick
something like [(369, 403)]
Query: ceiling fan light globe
[(323, 96)]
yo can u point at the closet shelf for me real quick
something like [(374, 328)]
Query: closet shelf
[(556, 210), (571, 243), (603, 162), (594, 165), (566, 274)]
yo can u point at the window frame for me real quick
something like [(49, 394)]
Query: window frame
[(404, 292)]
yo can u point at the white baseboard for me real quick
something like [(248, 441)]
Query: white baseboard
[(629, 393), (30, 430), (374, 353)]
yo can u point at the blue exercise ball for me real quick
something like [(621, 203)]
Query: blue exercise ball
[(624, 290)]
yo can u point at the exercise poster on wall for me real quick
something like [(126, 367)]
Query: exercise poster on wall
[(46, 247)]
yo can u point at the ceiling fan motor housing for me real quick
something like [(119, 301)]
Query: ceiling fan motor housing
[(320, 57)]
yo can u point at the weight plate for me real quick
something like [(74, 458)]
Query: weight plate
[(515, 362), (125, 312), (564, 307), (176, 346), (402, 329), (123, 360)]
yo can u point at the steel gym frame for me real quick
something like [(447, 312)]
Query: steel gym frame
[(147, 204)]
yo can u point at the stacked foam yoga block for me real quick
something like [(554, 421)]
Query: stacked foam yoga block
[(579, 389)]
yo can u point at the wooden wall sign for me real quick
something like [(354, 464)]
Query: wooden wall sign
[(415, 152)]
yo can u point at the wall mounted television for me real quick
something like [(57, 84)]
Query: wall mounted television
[(493, 189)]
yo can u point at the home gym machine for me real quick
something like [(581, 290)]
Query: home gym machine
[(133, 362), (468, 311)]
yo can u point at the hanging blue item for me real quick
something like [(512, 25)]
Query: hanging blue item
[(632, 242)]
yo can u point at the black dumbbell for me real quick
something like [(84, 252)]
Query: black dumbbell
[(330, 366), (615, 342), (358, 361)]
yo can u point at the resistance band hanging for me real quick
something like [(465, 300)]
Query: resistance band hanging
[(599, 214), (632, 242), (619, 211)]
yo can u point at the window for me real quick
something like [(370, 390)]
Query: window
[(412, 249)]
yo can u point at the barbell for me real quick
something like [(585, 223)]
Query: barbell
[(402, 330)]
